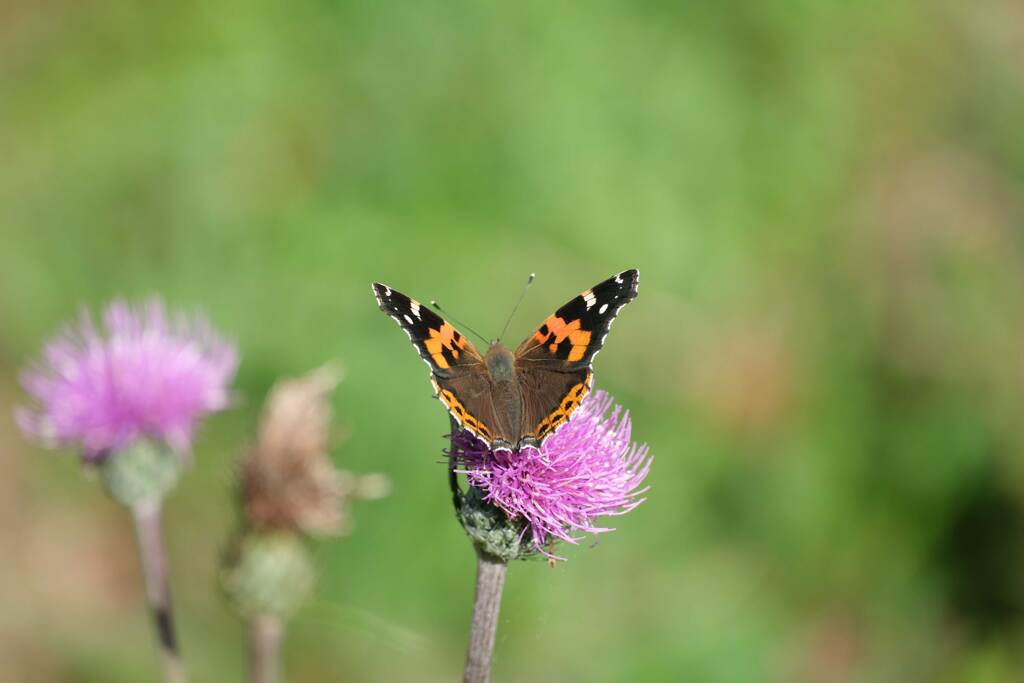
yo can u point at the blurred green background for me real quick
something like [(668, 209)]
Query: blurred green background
[(825, 203)]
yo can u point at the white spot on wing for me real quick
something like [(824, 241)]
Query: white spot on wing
[(604, 307), (407, 319), (589, 298), (407, 332), (415, 308)]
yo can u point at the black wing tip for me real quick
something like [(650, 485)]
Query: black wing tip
[(388, 298), (627, 279)]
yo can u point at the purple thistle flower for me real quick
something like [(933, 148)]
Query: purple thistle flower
[(587, 469), (145, 375)]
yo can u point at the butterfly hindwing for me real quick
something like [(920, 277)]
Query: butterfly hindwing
[(554, 363), (467, 397), (549, 398)]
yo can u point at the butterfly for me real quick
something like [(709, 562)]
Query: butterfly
[(514, 400)]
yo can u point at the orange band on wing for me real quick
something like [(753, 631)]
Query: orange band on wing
[(565, 409), (554, 331), (445, 338), (580, 340), (460, 413)]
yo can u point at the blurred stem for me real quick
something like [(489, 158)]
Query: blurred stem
[(265, 635), (146, 516), (490, 580)]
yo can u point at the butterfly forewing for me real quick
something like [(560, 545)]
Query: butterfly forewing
[(444, 348), (572, 335)]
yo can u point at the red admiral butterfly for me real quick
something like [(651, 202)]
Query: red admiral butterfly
[(511, 400)]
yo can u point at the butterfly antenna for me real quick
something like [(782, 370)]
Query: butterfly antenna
[(456, 321), (529, 281)]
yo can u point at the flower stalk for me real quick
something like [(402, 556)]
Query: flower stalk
[(266, 632), (490, 582), (153, 558)]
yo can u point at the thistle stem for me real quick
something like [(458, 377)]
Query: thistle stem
[(490, 580), (265, 635), (146, 516)]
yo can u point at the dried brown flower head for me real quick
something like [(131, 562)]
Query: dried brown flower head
[(288, 479)]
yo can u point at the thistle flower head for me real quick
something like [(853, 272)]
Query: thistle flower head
[(144, 375), (589, 468)]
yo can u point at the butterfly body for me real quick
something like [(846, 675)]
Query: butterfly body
[(500, 363), (511, 400)]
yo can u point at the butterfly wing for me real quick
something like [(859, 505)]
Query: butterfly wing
[(549, 398), (554, 363), (457, 370)]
